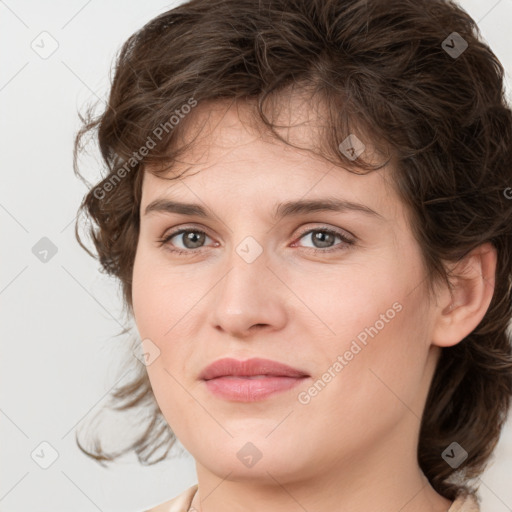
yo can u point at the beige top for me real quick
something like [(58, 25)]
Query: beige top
[(182, 503)]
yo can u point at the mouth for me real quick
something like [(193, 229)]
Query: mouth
[(251, 380)]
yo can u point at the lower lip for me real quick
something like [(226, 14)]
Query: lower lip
[(243, 389)]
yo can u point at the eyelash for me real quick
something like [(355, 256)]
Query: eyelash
[(345, 240)]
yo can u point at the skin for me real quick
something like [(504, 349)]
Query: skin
[(353, 446)]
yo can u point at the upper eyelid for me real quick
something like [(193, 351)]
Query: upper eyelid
[(339, 231)]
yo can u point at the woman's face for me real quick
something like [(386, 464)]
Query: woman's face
[(352, 315)]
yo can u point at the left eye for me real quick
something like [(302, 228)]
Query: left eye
[(322, 239)]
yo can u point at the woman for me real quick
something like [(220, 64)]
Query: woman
[(306, 203)]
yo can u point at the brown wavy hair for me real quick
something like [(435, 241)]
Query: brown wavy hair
[(383, 70)]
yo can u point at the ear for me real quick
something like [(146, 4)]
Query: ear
[(460, 309)]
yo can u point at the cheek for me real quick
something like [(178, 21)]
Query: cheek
[(378, 361), (163, 305), (159, 303), (378, 324), (157, 295), (347, 300)]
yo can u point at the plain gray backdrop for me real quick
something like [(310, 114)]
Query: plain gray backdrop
[(59, 317)]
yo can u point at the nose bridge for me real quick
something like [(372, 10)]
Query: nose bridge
[(245, 280), (247, 295)]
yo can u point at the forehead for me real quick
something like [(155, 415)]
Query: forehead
[(232, 155)]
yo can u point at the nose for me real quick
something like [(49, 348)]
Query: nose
[(248, 298)]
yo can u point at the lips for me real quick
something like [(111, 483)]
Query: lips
[(250, 381), (228, 367)]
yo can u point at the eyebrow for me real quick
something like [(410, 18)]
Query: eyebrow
[(287, 209)]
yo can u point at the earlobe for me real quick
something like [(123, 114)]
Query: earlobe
[(462, 308)]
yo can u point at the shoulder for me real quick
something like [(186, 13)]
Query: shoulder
[(180, 503), (465, 503)]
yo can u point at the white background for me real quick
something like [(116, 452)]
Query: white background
[(59, 319)]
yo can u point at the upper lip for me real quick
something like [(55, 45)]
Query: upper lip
[(250, 367)]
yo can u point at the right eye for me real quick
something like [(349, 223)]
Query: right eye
[(191, 240)]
